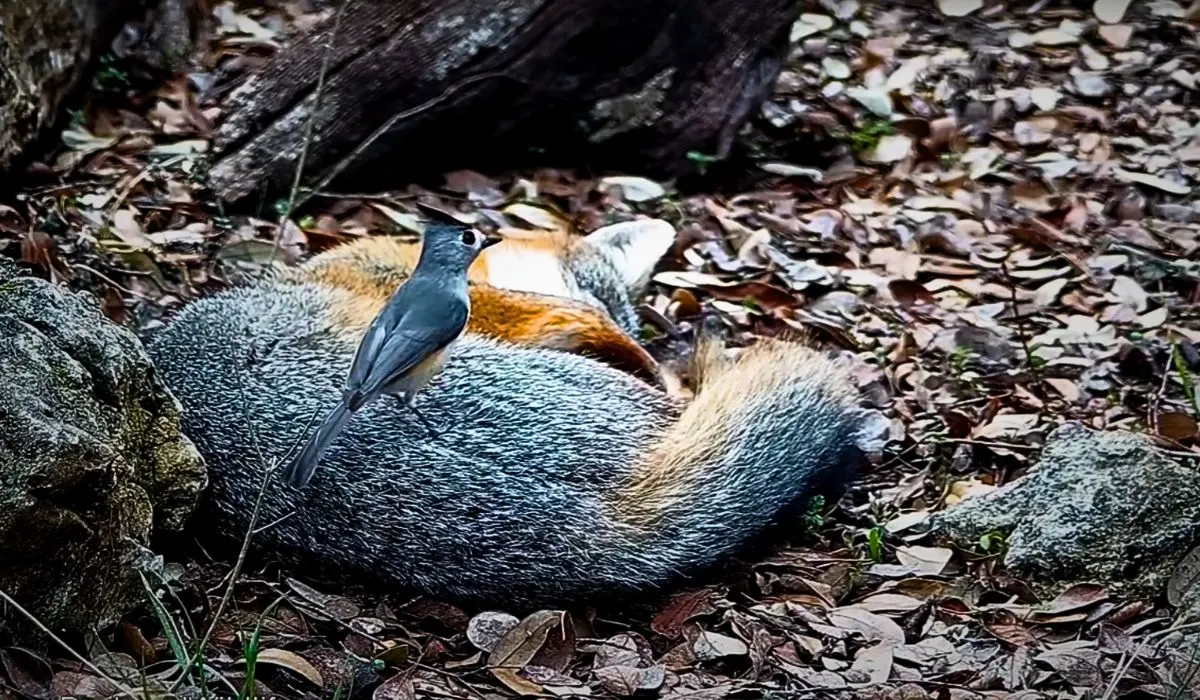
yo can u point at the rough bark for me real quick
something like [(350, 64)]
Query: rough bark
[(47, 50), (645, 81)]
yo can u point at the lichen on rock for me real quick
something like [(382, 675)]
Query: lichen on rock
[(1099, 506), (92, 460)]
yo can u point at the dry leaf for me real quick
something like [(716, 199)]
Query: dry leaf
[(125, 225), (929, 561), (292, 662), (626, 681), (635, 189), (875, 663), (1007, 425), (1177, 426), (1152, 181), (873, 627), (1079, 667), (1185, 577), (710, 645), (958, 8), (1110, 11), (1129, 293)]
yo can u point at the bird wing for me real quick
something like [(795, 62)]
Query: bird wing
[(424, 328), (368, 349)]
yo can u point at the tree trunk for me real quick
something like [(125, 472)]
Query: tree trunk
[(47, 48), (446, 83)]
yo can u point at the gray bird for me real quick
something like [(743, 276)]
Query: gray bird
[(409, 341)]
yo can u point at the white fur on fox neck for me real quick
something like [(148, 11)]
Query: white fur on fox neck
[(530, 270), (633, 247)]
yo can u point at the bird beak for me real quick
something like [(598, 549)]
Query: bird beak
[(490, 239)]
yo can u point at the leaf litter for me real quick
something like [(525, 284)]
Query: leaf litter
[(988, 208)]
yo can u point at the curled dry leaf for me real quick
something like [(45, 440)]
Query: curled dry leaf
[(635, 189), (682, 607), (292, 662)]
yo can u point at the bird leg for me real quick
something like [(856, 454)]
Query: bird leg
[(409, 401)]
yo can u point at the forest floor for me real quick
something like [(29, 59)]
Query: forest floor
[(994, 213)]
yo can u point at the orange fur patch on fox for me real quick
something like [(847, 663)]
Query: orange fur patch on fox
[(708, 429), (559, 324), (371, 269), (525, 319)]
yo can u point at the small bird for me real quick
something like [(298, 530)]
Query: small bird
[(410, 340)]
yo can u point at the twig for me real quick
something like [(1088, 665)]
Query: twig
[(1127, 659), (309, 128), (989, 443), (386, 126), (124, 689), (1021, 333), (250, 530)]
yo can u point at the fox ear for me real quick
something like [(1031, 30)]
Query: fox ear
[(634, 248)]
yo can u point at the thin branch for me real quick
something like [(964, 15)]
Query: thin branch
[(124, 689), (387, 126), (1021, 331), (309, 128)]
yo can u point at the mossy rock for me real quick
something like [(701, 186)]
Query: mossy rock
[(92, 459)]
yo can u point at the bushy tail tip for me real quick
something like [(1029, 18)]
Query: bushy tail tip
[(764, 431)]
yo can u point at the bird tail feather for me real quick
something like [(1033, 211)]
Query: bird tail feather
[(301, 469)]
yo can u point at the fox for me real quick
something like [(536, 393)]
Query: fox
[(559, 474), (533, 289)]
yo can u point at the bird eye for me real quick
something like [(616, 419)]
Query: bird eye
[(469, 237)]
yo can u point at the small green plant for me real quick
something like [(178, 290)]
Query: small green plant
[(992, 542), (110, 77), (814, 516), (250, 651), (1185, 375), (959, 358), (702, 160), (875, 544), (866, 137)]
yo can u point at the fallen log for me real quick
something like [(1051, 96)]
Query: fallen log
[(412, 86)]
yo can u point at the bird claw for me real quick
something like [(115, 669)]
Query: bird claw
[(424, 423)]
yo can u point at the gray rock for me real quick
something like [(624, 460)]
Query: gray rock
[(1099, 506), (92, 460), (1091, 84)]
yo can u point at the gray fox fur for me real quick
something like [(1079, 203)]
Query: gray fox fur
[(553, 477)]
